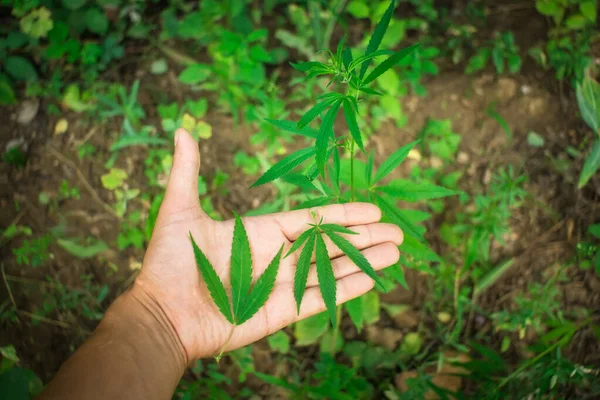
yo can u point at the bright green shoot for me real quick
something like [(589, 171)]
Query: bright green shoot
[(352, 75), (313, 242), (245, 302), (336, 180)]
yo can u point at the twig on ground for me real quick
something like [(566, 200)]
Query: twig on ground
[(83, 180)]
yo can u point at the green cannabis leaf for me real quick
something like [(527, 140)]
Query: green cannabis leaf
[(245, 302), (313, 241)]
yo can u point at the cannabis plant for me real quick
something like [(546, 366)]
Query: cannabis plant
[(331, 168)]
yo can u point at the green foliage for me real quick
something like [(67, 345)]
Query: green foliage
[(567, 50), (588, 251), (328, 380), (503, 52), (33, 252), (313, 239), (230, 57), (17, 382), (244, 302)]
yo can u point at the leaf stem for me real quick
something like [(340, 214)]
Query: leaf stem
[(218, 357), (336, 330), (352, 169)]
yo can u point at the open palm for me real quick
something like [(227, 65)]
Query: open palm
[(170, 277)]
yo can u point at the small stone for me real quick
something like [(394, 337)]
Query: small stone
[(407, 319), (444, 317), (61, 126), (487, 177), (507, 89), (28, 111), (537, 106), (255, 203), (386, 337), (462, 158), (414, 154), (525, 89), (436, 162), (134, 265)]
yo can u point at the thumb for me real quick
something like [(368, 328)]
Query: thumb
[(182, 188)]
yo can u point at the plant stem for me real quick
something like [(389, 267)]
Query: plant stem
[(218, 357), (352, 169), (336, 330)]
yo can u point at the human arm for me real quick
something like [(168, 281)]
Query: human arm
[(168, 318)]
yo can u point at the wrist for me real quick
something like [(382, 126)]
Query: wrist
[(138, 318)]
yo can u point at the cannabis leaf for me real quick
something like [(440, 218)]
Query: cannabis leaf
[(312, 239), (245, 302)]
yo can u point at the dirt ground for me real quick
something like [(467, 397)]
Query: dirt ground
[(546, 230)]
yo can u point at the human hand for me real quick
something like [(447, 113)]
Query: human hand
[(171, 281)]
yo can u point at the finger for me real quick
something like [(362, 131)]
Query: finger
[(280, 310), (293, 223), (347, 288), (182, 189), (367, 236), (380, 257)]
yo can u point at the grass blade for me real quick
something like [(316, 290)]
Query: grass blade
[(378, 34), (302, 268), (393, 161), (262, 289), (213, 283), (300, 241), (350, 115), (285, 165), (389, 63), (492, 277), (326, 278), (354, 254), (592, 162), (241, 266)]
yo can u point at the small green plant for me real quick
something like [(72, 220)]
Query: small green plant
[(539, 304), (14, 156), (249, 165), (503, 51), (67, 192), (245, 302), (329, 380), (588, 251), (115, 180), (33, 252), (569, 41), (338, 179)]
